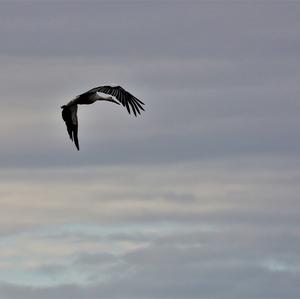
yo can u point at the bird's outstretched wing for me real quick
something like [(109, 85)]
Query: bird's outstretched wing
[(69, 115), (123, 96)]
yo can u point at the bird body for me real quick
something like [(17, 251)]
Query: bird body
[(114, 94), (89, 98)]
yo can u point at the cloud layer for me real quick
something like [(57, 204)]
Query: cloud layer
[(198, 197)]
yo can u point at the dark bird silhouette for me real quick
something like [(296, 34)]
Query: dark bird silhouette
[(116, 94)]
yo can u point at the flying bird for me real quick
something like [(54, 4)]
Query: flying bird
[(114, 94)]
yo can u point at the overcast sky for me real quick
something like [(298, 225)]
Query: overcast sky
[(196, 198)]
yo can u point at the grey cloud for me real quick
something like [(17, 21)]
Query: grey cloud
[(95, 259), (222, 265), (52, 270), (236, 192), (179, 124), (198, 197), (44, 27)]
